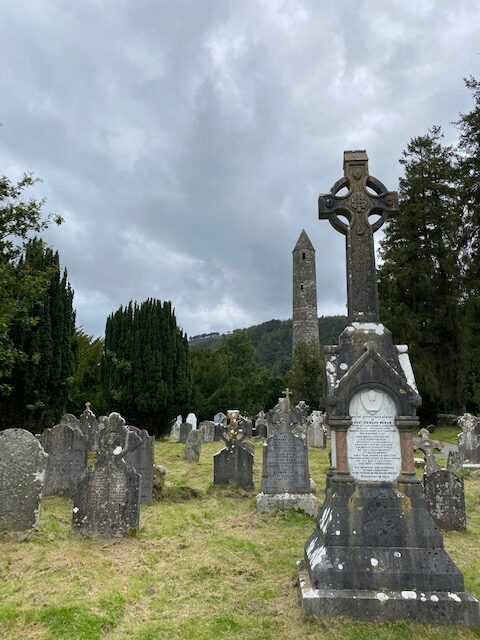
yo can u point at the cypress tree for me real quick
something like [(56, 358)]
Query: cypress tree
[(145, 369)]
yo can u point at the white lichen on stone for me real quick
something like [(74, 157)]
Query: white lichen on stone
[(373, 562), (434, 598), (397, 554), (76, 509), (409, 595), (343, 366), (337, 533), (117, 451), (453, 596), (382, 596), (39, 476), (368, 327), (340, 566)]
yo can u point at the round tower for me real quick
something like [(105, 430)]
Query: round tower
[(305, 317)]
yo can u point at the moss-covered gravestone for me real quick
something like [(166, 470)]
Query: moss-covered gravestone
[(234, 463), (67, 450), (376, 553), (107, 497), (142, 459)]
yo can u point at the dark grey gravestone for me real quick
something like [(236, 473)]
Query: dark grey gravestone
[(142, 460), (107, 497), (90, 427), (22, 473), (185, 429), (468, 440), (246, 425), (67, 450), (218, 431), (193, 446), (445, 498), (234, 466), (285, 465)]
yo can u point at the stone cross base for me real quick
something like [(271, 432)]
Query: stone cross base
[(305, 502), (439, 607)]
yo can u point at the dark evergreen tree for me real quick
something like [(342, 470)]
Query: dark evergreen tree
[(87, 385), (469, 168), (145, 369), (43, 335), (420, 278), (306, 376)]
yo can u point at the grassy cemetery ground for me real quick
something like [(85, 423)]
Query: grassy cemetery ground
[(205, 566)]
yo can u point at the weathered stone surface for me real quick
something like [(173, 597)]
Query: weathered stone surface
[(219, 417), (22, 473), (141, 459), (445, 498), (207, 427), (67, 450), (107, 498), (261, 425), (304, 502), (246, 425), (234, 466), (159, 476), (376, 552), (90, 427), (285, 418), (468, 440), (316, 430), (175, 430), (193, 446), (304, 316), (70, 420), (185, 429), (285, 465)]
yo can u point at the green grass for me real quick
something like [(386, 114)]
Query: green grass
[(205, 566)]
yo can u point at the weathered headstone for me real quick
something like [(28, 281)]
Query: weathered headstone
[(22, 473), (219, 417), (107, 497), (234, 463), (192, 419), (90, 427), (185, 429), (468, 440), (193, 446), (67, 450), (285, 417), (175, 431), (142, 459), (261, 425), (285, 475), (445, 494), (70, 420), (207, 427), (246, 425), (316, 430), (376, 553)]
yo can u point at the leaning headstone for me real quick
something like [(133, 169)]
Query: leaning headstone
[(185, 429), (193, 446), (285, 475), (468, 440), (316, 430), (67, 450), (107, 497), (376, 553), (207, 427), (141, 459), (445, 494), (192, 419), (234, 463), (22, 473)]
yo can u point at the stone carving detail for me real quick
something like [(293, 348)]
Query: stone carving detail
[(357, 206), (107, 497)]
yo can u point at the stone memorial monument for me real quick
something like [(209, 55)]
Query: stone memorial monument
[(175, 430), (67, 450), (107, 497), (192, 419), (315, 430), (185, 429), (219, 417), (276, 417), (22, 473), (142, 460), (234, 463), (468, 440), (285, 474), (207, 427), (376, 553), (261, 425), (90, 427), (193, 446)]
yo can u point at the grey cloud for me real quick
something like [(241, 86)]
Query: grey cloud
[(186, 142)]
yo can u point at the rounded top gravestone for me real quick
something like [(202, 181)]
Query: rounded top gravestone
[(22, 473)]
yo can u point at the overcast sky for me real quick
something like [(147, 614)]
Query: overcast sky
[(185, 142)]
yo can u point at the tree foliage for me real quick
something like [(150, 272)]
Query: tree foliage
[(41, 334), (306, 375), (87, 384), (146, 369)]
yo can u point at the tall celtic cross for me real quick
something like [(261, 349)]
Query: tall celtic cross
[(357, 206)]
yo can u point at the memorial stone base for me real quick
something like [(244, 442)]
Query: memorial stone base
[(376, 554), (304, 502)]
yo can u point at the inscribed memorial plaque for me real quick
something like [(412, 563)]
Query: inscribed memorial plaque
[(373, 440)]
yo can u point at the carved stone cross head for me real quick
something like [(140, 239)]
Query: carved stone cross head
[(366, 196), (116, 439)]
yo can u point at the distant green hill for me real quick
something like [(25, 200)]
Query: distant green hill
[(273, 340)]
